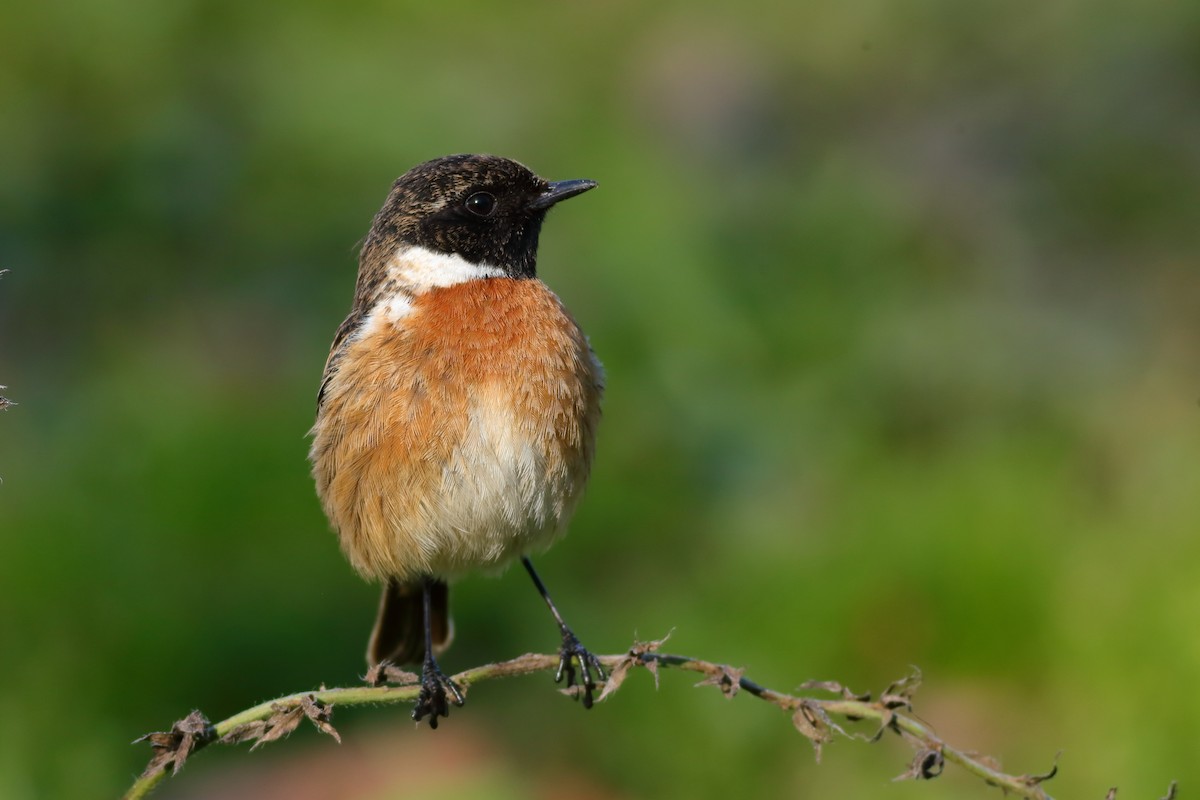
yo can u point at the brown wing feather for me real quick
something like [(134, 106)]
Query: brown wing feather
[(349, 325)]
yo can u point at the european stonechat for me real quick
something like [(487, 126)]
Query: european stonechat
[(457, 413)]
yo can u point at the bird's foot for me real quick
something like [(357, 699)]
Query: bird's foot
[(589, 665), (436, 693)]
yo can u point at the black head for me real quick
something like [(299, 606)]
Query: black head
[(487, 209)]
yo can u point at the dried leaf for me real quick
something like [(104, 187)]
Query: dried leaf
[(727, 678), (158, 762), (898, 696), (1112, 794), (246, 732), (1034, 780), (286, 718), (174, 746), (616, 678), (812, 721), (575, 691), (617, 675), (386, 672), (829, 723), (926, 765), (900, 693), (1170, 795), (652, 666), (320, 713), (887, 721)]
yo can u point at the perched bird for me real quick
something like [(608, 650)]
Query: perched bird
[(457, 413)]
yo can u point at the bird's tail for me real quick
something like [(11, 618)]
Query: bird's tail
[(399, 633)]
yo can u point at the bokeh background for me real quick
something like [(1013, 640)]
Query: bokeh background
[(900, 308)]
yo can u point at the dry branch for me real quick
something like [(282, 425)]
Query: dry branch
[(814, 717)]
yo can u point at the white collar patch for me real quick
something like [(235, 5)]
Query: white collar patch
[(419, 269)]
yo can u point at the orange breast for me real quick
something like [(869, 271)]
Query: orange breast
[(460, 434)]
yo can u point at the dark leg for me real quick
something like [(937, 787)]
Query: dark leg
[(434, 684), (571, 650)]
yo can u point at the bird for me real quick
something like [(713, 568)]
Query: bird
[(457, 411)]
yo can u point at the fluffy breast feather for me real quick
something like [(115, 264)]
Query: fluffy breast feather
[(458, 434)]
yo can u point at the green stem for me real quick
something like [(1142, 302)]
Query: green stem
[(849, 709)]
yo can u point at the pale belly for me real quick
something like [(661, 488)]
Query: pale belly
[(421, 506), (507, 490), (442, 449)]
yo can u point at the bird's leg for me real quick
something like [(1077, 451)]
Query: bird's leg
[(432, 700), (571, 650)]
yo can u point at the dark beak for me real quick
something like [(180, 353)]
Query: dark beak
[(561, 190)]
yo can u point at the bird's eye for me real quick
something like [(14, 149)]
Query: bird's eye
[(481, 204)]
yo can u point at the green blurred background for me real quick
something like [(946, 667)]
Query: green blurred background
[(899, 304)]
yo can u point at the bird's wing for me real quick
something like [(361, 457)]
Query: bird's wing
[(351, 324)]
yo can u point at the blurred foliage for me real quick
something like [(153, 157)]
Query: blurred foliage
[(898, 303)]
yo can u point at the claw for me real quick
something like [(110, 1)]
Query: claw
[(433, 701), (571, 651)]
